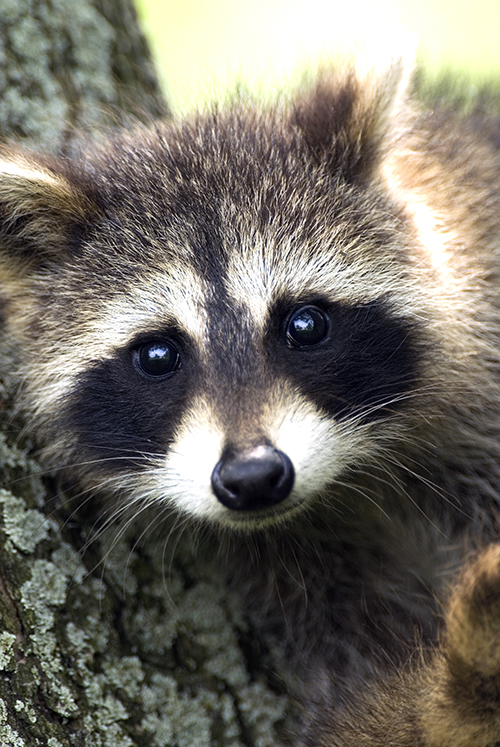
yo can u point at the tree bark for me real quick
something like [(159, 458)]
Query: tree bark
[(110, 642)]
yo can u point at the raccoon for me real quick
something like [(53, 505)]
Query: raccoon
[(281, 324)]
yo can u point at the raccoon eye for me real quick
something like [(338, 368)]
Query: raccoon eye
[(157, 358), (307, 326)]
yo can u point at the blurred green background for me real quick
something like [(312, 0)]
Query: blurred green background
[(204, 46)]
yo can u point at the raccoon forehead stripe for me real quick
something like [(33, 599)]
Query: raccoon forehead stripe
[(261, 271), (174, 297)]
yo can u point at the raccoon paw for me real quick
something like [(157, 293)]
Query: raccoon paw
[(461, 703), (451, 696), (473, 622)]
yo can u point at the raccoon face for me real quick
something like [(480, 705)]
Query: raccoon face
[(219, 317)]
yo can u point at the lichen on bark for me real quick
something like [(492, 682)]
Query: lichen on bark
[(131, 654), (66, 64), (106, 645)]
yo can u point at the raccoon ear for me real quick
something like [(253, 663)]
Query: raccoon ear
[(352, 115), (39, 210)]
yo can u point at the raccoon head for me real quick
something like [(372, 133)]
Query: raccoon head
[(219, 316)]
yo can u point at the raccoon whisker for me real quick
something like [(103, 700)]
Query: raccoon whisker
[(401, 462), (408, 495), (122, 530), (138, 539), (438, 490), (110, 485), (180, 525), (111, 517), (362, 490), (363, 412), (295, 565), (38, 470)]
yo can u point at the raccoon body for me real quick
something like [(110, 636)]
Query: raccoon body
[(282, 325)]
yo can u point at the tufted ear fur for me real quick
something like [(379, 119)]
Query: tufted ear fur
[(40, 210), (351, 117)]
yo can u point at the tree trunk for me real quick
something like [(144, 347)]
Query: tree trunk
[(108, 642)]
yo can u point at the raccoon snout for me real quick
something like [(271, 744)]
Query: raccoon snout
[(253, 480)]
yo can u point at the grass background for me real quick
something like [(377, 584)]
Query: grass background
[(205, 46)]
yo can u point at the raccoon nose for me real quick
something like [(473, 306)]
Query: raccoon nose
[(253, 480)]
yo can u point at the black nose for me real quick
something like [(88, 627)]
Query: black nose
[(253, 480)]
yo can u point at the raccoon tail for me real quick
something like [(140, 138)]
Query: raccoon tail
[(452, 699)]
